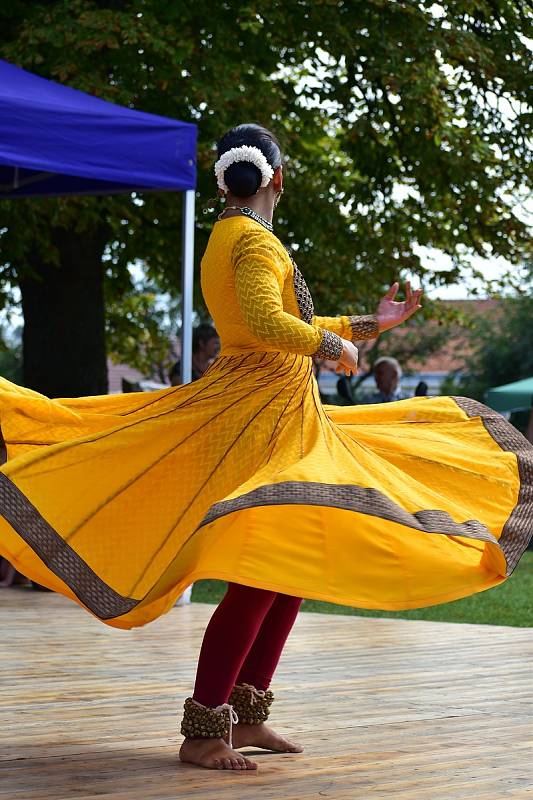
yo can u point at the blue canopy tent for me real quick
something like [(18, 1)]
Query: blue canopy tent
[(55, 140)]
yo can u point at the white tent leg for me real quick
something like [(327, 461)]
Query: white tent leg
[(187, 282)]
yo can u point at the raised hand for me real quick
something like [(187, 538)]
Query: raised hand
[(390, 313)]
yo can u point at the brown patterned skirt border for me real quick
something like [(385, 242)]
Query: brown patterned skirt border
[(58, 556), (350, 498), (517, 531)]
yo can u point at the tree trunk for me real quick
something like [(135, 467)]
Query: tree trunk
[(64, 348)]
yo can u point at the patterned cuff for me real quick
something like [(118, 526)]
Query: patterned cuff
[(330, 346), (366, 327)]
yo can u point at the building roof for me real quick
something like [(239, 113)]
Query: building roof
[(452, 356)]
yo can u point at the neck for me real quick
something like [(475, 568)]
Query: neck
[(262, 204)]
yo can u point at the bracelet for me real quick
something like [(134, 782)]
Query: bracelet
[(330, 347), (365, 327)]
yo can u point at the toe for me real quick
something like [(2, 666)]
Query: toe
[(250, 764), (295, 748)]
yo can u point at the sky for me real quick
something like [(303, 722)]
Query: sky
[(493, 269)]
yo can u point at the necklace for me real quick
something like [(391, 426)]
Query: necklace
[(249, 212)]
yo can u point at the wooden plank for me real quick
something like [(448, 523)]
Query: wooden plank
[(408, 710)]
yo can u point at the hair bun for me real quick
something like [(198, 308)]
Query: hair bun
[(248, 155), (243, 179)]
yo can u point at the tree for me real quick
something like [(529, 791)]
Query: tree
[(502, 349), (405, 123), (11, 354), (141, 330)]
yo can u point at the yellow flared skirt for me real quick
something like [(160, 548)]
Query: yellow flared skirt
[(122, 501)]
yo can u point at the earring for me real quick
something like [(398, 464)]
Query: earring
[(278, 197)]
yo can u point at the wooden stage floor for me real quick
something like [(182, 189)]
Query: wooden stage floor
[(385, 709)]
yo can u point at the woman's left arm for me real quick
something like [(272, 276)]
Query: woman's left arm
[(389, 314)]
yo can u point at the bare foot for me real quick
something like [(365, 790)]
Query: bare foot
[(262, 736), (213, 754)]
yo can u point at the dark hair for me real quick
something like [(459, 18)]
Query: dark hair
[(344, 389), (421, 389), (202, 333), (243, 179)]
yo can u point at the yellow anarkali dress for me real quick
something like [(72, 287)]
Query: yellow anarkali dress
[(122, 501)]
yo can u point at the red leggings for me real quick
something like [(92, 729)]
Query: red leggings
[(243, 642)]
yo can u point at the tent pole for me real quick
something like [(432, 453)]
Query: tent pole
[(187, 282)]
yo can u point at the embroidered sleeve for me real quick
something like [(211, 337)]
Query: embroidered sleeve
[(330, 347), (354, 328), (364, 327), (260, 273)]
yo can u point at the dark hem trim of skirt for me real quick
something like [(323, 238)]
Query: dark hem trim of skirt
[(348, 497), (58, 556), (517, 531)]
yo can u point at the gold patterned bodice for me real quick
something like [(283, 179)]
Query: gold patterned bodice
[(259, 300)]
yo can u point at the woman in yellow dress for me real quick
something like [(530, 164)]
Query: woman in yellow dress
[(120, 502)]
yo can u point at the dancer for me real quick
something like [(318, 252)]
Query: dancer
[(122, 501)]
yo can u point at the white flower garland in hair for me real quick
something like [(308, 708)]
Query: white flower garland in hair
[(244, 153)]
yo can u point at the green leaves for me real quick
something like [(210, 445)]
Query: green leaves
[(501, 345), (403, 125)]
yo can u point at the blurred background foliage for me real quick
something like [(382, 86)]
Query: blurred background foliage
[(404, 124), (500, 351)]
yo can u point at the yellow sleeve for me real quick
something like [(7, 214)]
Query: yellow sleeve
[(354, 328), (260, 273)]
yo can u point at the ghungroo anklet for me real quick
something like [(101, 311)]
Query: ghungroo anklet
[(252, 705), (202, 722)]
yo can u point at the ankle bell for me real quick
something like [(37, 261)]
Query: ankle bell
[(203, 722), (252, 705)]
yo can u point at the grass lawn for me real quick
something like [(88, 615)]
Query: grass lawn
[(511, 603)]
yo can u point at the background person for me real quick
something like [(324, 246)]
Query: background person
[(205, 347), (387, 374), (421, 389)]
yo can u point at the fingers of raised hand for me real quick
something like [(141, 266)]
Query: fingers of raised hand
[(414, 300), (393, 291)]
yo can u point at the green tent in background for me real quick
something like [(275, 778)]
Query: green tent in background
[(516, 396)]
